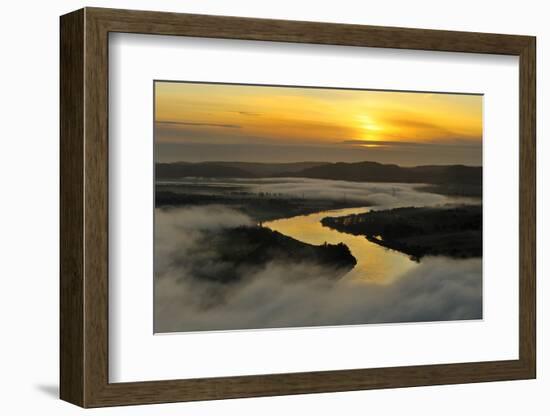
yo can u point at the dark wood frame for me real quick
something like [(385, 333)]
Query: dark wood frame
[(84, 213)]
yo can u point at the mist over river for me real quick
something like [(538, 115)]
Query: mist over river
[(385, 286), (375, 264)]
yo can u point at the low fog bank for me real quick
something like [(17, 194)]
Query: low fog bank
[(387, 195), (297, 294)]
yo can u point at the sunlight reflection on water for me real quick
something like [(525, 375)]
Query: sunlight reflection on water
[(375, 264)]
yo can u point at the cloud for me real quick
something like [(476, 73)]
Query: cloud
[(292, 294), (438, 290), (384, 143), (415, 124), (384, 195), (200, 145), (189, 123), (457, 142), (248, 113), (399, 142), (178, 231)]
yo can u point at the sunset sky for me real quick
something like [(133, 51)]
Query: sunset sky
[(199, 122)]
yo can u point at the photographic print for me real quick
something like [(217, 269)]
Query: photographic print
[(287, 206)]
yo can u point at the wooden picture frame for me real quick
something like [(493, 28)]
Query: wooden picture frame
[(84, 207)]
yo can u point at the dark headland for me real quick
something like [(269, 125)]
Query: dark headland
[(418, 232), (242, 251)]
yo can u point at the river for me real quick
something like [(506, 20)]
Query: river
[(375, 264)]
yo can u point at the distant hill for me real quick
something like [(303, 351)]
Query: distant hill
[(203, 170), (377, 172), (270, 169), (357, 172)]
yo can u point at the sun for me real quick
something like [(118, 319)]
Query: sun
[(370, 129)]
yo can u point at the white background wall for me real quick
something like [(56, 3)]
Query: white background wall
[(29, 206)]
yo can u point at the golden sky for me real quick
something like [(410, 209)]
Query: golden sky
[(223, 114)]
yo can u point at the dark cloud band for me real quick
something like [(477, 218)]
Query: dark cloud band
[(189, 123)]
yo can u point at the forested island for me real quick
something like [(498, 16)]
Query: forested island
[(241, 251), (447, 231)]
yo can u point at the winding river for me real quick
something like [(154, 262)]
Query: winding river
[(375, 264)]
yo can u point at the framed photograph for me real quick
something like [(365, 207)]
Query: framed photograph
[(255, 207)]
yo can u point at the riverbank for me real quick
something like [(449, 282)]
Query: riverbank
[(417, 232), (375, 264), (260, 206)]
